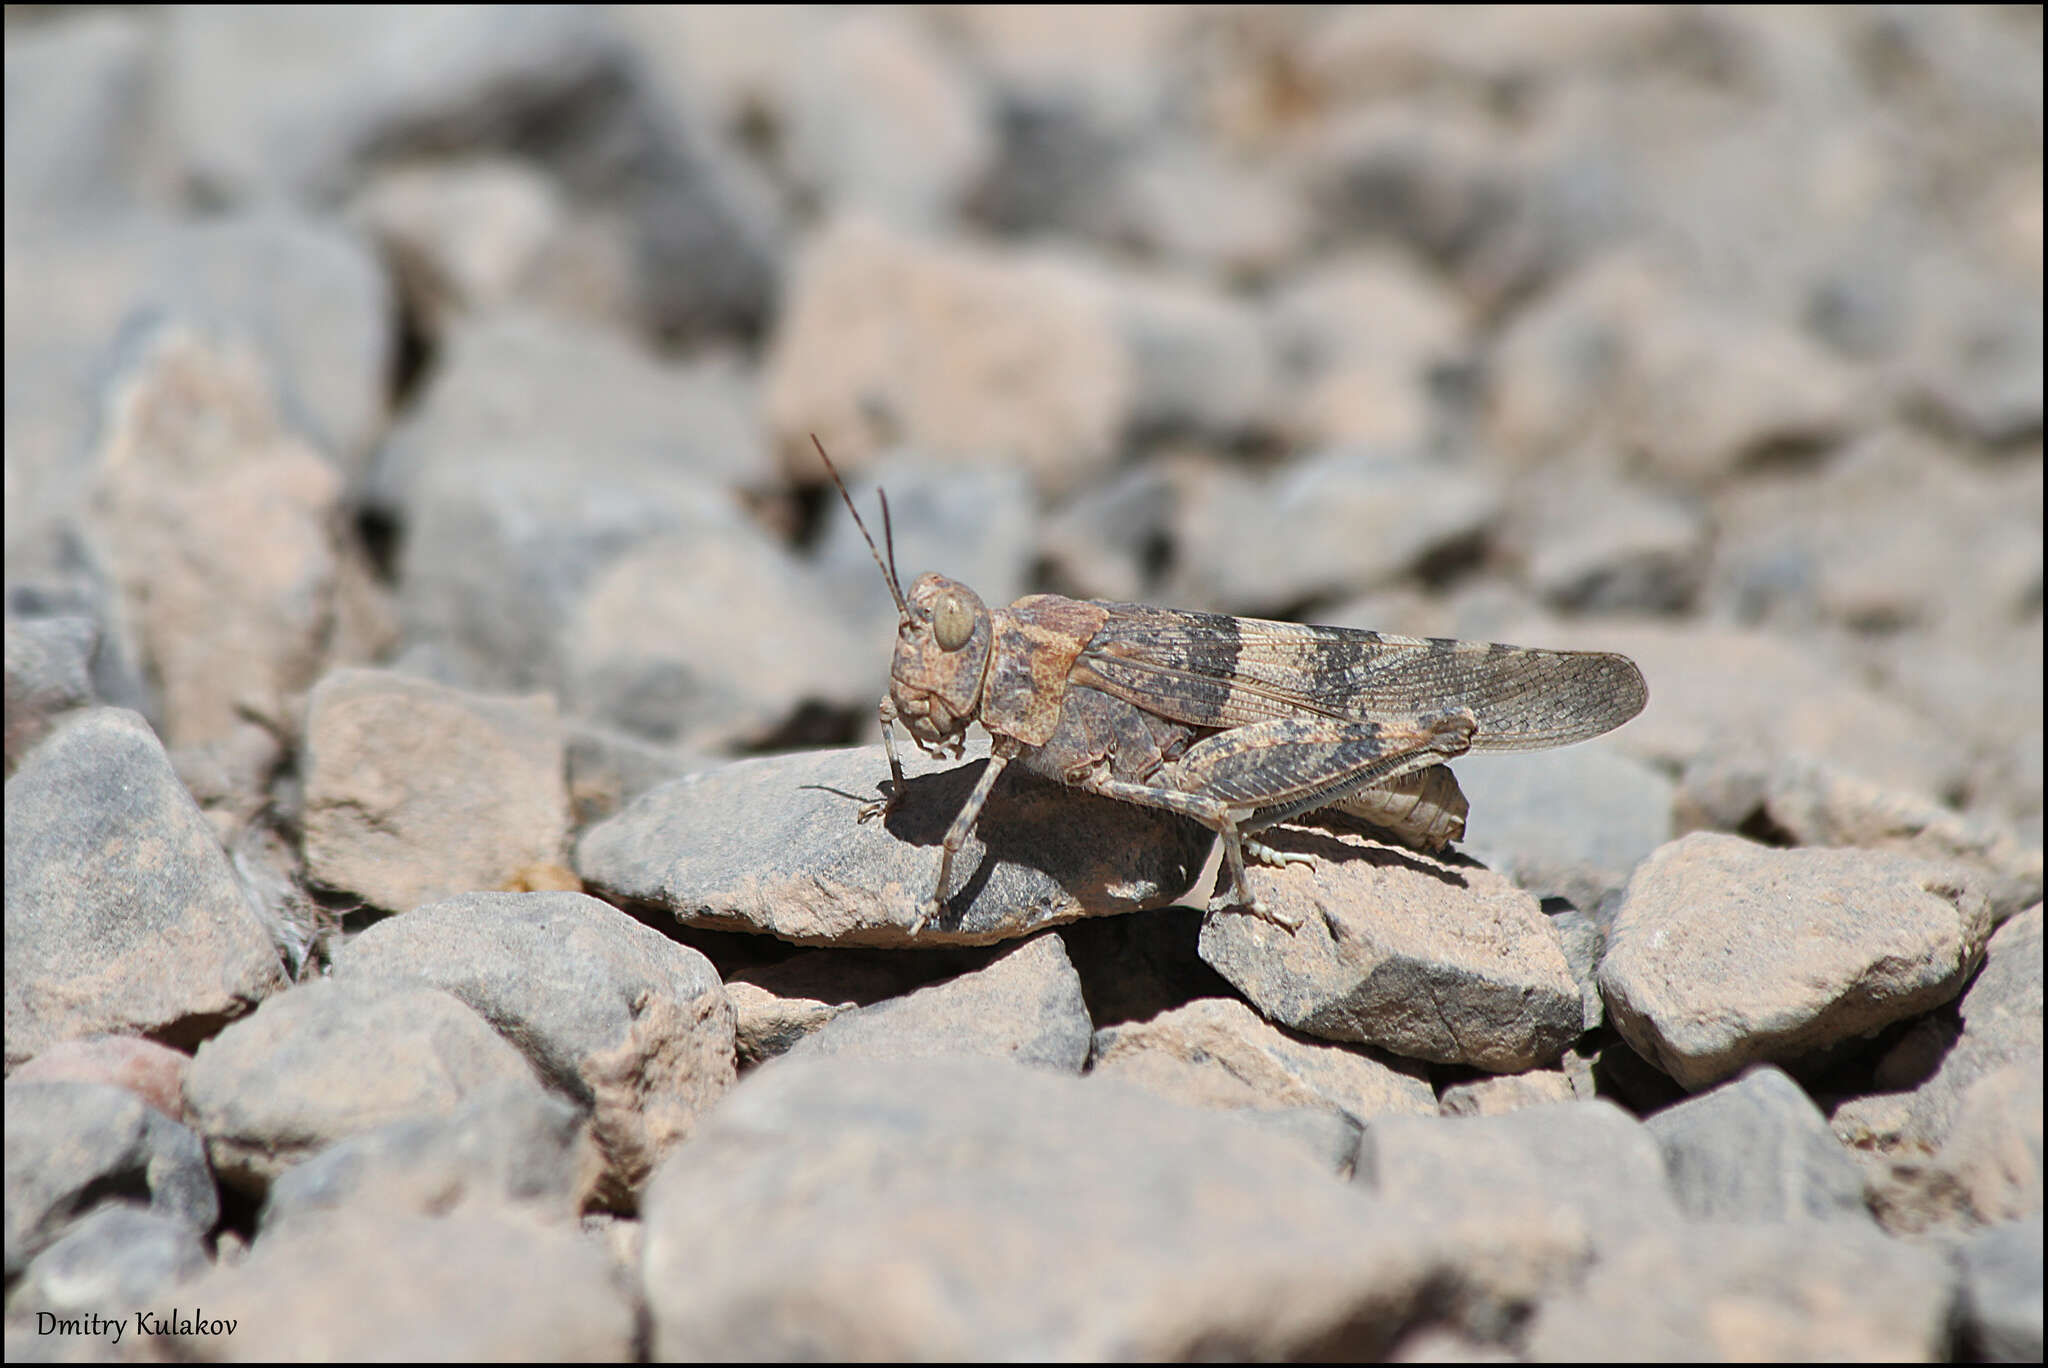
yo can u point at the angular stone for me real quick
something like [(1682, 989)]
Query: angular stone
[(123, 912), (632, 1027), (328, 1060), (1756, 1150), (416, 792), (1993, 1154), (609, 768), (1571, 822), (1438, 961), (1025, 1006), (231, 627), (310, 297), (1499, 1094), (776, 1005), (1218, 1053), (2001, 1027), (506, 539), (1724, 953), (772, 845)]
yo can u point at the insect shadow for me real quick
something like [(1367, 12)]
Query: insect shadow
[(1033, 823), (1318, 834), (1013, 828)]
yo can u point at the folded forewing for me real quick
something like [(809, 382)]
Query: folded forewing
[(1216, 671)]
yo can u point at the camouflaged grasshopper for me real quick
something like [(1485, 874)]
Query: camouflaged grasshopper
[(1236, 722)]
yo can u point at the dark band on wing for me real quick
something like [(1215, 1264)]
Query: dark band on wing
[(1217, 671)]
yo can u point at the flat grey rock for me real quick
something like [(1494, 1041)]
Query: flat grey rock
[(776, 1005), (773, 845), (716, 639), (1343, 521), (1025, 1006), (1757, 1149), (507, 533)]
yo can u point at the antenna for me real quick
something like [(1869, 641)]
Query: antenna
[(888, 533)]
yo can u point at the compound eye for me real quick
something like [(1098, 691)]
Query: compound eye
[(952, 623)]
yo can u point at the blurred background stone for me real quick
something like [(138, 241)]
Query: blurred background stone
[(482, 348)]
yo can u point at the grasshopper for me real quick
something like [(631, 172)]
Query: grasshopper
[(1238, 723)]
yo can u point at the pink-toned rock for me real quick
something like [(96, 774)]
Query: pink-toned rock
[(1725, 952), (415, 791), (956, 350), (217, 522), (155, 1073), (1498, 1094), (1217, 1052)]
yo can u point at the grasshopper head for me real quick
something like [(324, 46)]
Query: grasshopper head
[(942, 641), (942, 648)]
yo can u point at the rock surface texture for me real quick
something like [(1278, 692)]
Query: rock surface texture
[(458, 903)]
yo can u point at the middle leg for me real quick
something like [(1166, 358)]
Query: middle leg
[(1248, 778)]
